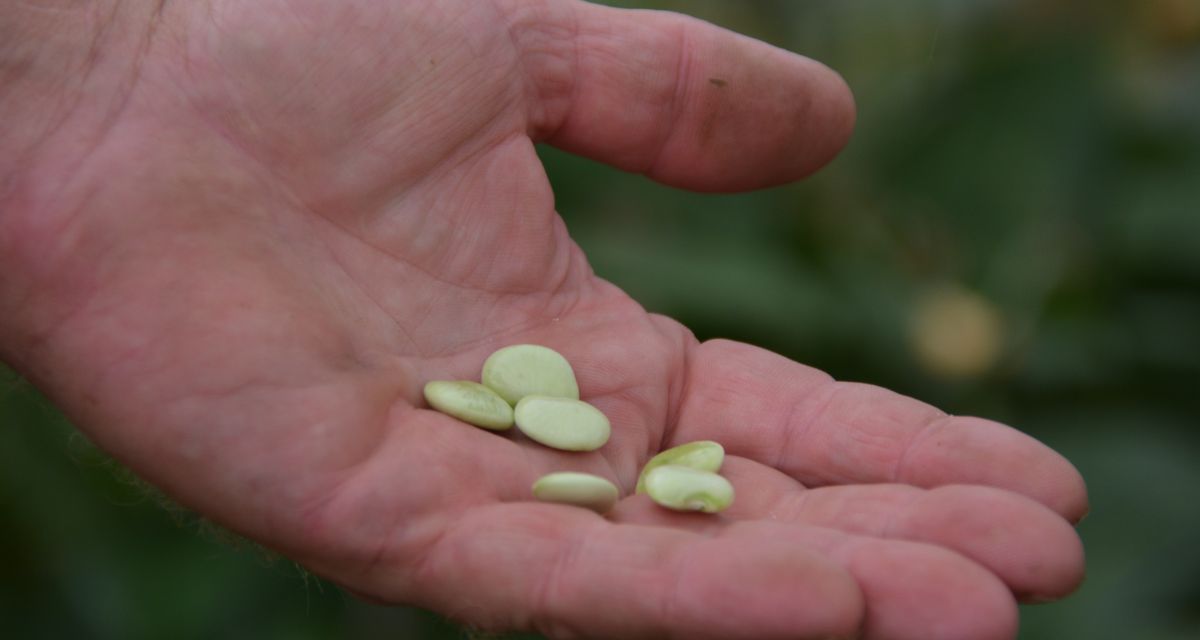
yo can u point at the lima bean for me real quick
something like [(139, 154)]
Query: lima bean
[(562, 423), (579, 489), (704, 455), (529, 369), (470, 402), (686, 489)]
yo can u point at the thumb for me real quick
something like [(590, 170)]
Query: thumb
[(680, 100)]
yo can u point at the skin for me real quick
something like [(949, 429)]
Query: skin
[(237, 238)]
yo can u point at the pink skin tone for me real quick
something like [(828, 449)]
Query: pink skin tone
[(237, 238)]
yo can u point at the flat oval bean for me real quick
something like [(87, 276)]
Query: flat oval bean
[(470, 402), (579, 489), (686, 489), (704, 455), (529, 369), (562, 423)]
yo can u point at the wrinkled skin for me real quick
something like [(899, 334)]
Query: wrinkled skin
[(238, 237)]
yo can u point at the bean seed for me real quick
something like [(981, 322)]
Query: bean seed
[(562, 423), (470, 402), (704, 455), (579, 489), (686, 489), (529, 369)]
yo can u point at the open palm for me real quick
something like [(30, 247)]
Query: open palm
[(289, 216)]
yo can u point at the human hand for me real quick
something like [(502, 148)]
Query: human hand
[(266, 225)]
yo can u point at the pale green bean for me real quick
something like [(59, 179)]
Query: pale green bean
[(529, 369), (470, 402), (562, 423), (704, 455), (686, 489), (579, 489)]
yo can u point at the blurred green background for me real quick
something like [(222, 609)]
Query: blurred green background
[(1014, 232)]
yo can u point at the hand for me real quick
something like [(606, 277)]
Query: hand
[(265, 225)]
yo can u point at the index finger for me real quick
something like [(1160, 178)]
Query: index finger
[(765, 407)]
